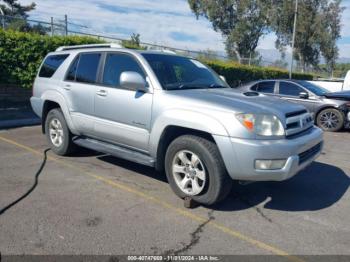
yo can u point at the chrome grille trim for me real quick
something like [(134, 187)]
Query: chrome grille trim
[(298, 123)]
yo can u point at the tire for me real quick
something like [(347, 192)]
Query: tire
[(55, 128), (216, 184), (330, 119)]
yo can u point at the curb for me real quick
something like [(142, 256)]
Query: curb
[(5, 124)]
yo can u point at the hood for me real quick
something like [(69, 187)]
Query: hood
[(344, 95), (232, 100)]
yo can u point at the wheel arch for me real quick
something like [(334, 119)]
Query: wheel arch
[(319, 110), (53, 99), (169, 134)]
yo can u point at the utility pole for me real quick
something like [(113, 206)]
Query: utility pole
[(293, 38), (51, 26), (66, 24), (2, 18)]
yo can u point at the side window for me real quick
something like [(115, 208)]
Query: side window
[(72, 70), (254, 87), (115, 65), (87, 68), (51, 64), (266, 87), (290, 89)]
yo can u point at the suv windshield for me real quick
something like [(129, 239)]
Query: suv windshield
[(317, 90), (176, 72)]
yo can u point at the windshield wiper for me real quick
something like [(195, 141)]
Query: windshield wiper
[(217, 86), (185, 86), (192, 86)]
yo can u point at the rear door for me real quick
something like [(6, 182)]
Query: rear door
[(291, 92), (79, 87), (123, 116), (265, 87)]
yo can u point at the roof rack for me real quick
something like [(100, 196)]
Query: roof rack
[(168, 51), (72, 47)]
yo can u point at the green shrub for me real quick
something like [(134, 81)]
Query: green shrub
[(236, 73), (22, 53)]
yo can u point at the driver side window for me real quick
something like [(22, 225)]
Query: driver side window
[(115, 65), (290, 89)]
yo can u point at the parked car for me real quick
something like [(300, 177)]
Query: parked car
[(331, 111), (173, 113)]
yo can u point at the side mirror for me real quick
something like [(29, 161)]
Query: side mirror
[(133, 80), (304, 95), (223, 78)]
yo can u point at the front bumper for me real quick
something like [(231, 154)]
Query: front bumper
[(347, 121), (239, 155)]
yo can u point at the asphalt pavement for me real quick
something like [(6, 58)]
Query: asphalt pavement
[(95, 204)]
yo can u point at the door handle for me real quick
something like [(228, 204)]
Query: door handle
[(67, 87), (101, 92)]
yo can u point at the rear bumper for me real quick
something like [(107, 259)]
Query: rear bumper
[(37, 105), (239, 155)]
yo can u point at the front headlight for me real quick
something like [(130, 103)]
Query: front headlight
[(262, 124)]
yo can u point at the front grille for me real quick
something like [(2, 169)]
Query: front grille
[(298, 122), (306, 155), (292, 125), (295, 113)]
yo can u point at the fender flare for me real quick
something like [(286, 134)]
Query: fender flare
[(57, 97), (186, 119)]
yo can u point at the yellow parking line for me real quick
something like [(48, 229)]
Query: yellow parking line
[(185, 213)]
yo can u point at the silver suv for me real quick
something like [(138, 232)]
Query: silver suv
[(173, 113)]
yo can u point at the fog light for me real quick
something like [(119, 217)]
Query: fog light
[(270, 164)]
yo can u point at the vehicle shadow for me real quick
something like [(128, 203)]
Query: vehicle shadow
[(85, 152), (137, 168), (316, 187)]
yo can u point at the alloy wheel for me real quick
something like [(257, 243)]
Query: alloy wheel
[(56, 132), (189, 172)]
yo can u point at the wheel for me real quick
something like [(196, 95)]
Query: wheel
[(330, 119), (195, 169), (58, 134)]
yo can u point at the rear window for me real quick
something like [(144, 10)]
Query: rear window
[(51, 64)]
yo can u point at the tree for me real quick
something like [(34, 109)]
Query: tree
[(18, 14), (13, 8), (134, 42), (241, 22), (313, 33), (332, 27)]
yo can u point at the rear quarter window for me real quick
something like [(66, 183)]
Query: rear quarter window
[(51, 64)]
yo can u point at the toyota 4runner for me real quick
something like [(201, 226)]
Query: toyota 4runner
[(172, 113)]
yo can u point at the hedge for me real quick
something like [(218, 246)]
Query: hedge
[(22, 53), (236, 73)]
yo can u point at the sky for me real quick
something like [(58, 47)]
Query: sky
[(164, 22)]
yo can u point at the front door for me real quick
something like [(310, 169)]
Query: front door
[(291, 92), (122, 116)]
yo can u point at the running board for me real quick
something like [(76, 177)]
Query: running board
[(115, 150)]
